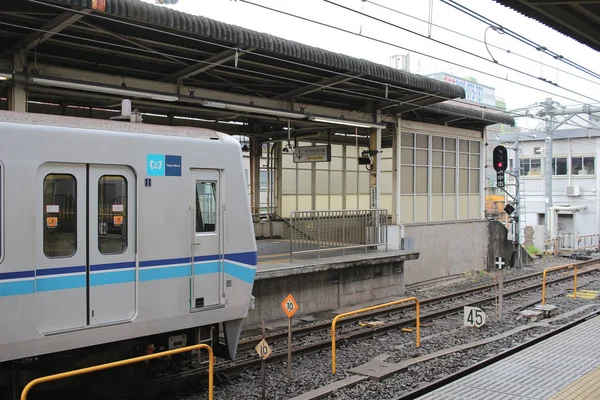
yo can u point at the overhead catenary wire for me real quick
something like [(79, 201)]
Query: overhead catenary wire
[(112, 19), (493, 61), (508, 51)]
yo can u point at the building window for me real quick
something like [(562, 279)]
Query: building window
[(559, 166), (583, 165), (531, 167), (60, 215), (112, 214), (206, 207)]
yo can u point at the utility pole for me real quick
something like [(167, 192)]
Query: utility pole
[(517, 201), (550, 111)]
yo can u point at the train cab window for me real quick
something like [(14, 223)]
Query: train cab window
[(60, 215), (112, 214), (206, 207)]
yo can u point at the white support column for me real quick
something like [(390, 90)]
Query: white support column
[(17, 95), (396, 173), (375, 182)]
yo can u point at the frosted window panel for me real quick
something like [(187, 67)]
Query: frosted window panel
[(474, 207), (351, 202), (351, 164), (422, 157), (408, 139), (386, 203), (323, 165), (407, 180), (407, 156), (450, 159), (422, 180), (450, 144), (304, 203), (387, 165), (437, 142), (336, 182), (287, 160), (386, 182), (449, 208), (464, 146), (437, 208), (288, 181), (288, 204), (336, 202), (437, 158), (364, 201), (422, 141), (463, 160), (322, 202), (322, 182), (475, 147), (463, 181), (406, 208), (474, 161), (463, 207), (304, 182), (306, 165), (421, 209), (337, 163), (474, 181), (337, 150), (351, 182), (386, 153), (450, 181), (363, 182), (437, 175)]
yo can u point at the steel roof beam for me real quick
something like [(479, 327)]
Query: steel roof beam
[(324, 83)]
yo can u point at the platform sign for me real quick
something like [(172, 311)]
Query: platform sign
[(263, 349), (312, 154), (474, 316), (289, 305)]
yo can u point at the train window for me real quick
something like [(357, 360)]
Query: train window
[(206, 207), (112, 214), (60, 215)]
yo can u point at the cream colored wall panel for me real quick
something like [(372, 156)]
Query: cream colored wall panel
[(422, 209), (304, 182), (322, 182), (351, 202), (351, 182), (336, 202), (288, 181), (304, 203), (437, 208), (322, 202), (363, 201), (288, 160), (463, 207), (386, 203), (385, 186), (288, 204), (336, 182), (475, 208), (406, 209), (449, 208)]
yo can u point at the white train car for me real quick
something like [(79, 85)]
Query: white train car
[(134, 237)]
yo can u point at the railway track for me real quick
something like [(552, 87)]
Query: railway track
[(318, 338)]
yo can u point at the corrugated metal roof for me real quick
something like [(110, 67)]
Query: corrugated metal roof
[(459, 111), (193, 25)]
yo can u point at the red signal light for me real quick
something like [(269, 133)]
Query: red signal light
[(500, 165)]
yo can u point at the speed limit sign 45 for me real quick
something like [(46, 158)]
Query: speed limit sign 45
[(474, 316)]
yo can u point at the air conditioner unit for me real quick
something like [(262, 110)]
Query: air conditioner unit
[(572, 190)]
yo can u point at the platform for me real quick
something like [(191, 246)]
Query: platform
[(565, 366)]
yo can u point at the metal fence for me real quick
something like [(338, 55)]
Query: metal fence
[(318, 231)]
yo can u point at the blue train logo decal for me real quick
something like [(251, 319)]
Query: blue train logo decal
[(163, 165)]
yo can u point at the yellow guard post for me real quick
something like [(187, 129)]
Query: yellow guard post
[(113, 364), (574, 266), (340, 316)]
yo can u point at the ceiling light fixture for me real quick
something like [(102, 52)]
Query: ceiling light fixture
[(251, 109), (4, 76), (103, 89), (346, 122)]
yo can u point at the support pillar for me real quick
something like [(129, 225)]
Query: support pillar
[(17, 93), (375, 173), (396, 173), (255, 154)]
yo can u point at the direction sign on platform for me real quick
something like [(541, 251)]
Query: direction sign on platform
[(289, 306), (312, 154), (474, 316), (263, 349)]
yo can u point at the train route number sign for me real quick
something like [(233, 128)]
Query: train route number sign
[(289, 305), (263, 349)]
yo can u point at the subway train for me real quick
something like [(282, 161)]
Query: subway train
[(118, 239)]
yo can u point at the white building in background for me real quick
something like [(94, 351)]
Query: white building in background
[(575, 180)]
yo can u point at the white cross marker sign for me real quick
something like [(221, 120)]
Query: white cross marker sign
[(500, 262)]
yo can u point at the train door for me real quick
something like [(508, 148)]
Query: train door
[(85, 274), (112, 244), (208, 260)]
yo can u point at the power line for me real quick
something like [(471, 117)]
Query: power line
[(143, 49), (454, 47), (482, 41), (522, 39), (405, 48)]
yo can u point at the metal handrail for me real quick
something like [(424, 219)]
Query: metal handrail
[(574, 266), (340, 316), (128, 361)]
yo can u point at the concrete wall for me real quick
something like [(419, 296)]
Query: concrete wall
[(269, 229), (446, 249), (326, 290), (498, 246)]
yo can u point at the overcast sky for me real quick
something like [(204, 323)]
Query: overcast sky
[(515, 95)]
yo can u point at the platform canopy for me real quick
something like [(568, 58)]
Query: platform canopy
[(94, 53), (578, 19)]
